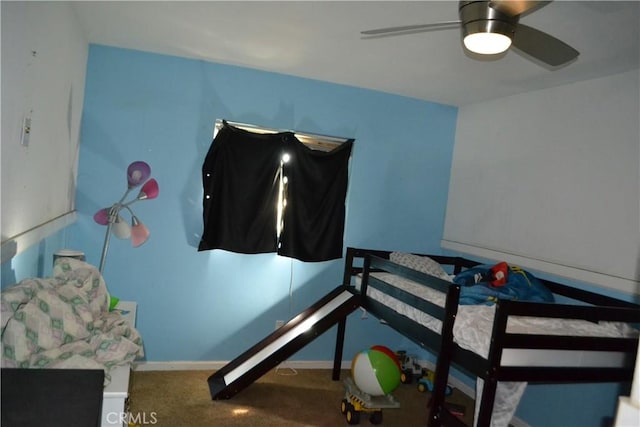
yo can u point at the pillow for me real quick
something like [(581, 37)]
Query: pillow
[(423, 264)]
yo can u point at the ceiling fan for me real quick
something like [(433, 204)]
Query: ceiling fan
[(491, 27)]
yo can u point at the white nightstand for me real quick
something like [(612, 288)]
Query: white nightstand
[(114, 400)]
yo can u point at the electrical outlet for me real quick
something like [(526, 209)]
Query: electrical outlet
[(279, 324)]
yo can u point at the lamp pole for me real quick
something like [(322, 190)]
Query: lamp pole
[(113, 214)]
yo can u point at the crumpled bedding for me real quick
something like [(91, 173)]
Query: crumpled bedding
[(64, 322), (472, 331), (486, 284)]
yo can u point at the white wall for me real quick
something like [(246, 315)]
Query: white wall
[(550, 180), (44, 57)]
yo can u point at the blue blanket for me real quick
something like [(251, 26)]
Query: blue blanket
[(485, 284)]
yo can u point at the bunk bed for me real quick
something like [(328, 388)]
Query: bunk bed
[(583, 337)]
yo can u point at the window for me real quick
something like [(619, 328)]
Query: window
[(274, 191)]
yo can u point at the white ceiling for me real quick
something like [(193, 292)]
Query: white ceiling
[(321, 40)]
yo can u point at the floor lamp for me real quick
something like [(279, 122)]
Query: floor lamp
[(137, 174)]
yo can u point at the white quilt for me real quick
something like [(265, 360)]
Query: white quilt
[(64, 322)]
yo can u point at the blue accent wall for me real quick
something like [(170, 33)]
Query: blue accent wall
[(202, 306)]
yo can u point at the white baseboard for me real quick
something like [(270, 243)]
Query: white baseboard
[(294, 364), (215, 365), (178, 366)]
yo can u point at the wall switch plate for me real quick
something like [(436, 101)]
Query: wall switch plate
[(25, 132)]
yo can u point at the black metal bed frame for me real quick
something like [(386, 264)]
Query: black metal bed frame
[(600, 308)]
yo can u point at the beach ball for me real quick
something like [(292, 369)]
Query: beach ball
[(376, 371)]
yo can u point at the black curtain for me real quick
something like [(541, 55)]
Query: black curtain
[(240, 180)]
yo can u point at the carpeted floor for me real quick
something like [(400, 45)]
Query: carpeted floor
[(281, 398)]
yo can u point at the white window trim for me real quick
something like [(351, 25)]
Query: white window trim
[(311, 140)]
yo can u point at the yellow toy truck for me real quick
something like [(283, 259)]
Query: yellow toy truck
[(356, 402)]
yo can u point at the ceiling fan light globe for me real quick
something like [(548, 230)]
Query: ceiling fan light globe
[(486, 43)]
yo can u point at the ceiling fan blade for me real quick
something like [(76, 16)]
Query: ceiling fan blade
[(543, 46), (517, 7), (411, 28)]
